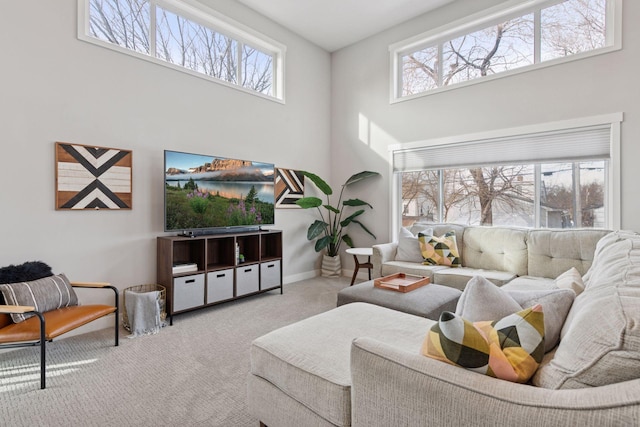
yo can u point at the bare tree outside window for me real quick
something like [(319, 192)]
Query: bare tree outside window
[(257, 69), (505, 195), (503, 47), (121, 22), (570, 27), (181, 41)]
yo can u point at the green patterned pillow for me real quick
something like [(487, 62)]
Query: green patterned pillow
[(441, 250), (510, 348)]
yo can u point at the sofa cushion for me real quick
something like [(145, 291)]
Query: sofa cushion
[(600, 341), (458, 277), (44, 294), (440, 250), (417, 269), (552, 252), (408, 245), (482, 299), (510, 348), (496, 248), (529, 283), (570, 279)]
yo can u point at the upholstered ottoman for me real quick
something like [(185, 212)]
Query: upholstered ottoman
[(300, 374), (427, 301)]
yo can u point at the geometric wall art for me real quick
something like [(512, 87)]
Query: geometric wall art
[(289, 188), (89, 177)]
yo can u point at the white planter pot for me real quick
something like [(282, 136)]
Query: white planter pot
[(331, 266)]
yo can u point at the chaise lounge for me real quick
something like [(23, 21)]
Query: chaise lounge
[(361, 365)]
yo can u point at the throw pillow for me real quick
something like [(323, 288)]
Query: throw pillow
[(45, 294), (570, 279), (31, 270), (408, 246), (441, 250), (556, 304), (482, 299), (510, 348)]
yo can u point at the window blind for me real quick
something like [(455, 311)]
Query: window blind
[(576, 144)]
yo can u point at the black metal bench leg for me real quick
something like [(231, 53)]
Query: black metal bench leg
[(117, 320), (43, 351)]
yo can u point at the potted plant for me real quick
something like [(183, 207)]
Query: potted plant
[(329, 231)]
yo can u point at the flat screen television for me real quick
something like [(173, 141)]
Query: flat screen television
[(210, 193)]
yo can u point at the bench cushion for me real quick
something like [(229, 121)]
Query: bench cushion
[(57, 322)]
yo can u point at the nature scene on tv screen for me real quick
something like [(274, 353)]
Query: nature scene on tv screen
[(206, 192)]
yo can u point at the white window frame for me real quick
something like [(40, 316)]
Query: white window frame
[(612, 180), (212, 19), (483, 19)]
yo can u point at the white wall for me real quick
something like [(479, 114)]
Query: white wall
[(364, 123), (58, 88)]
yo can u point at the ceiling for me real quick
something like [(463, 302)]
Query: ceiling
[(334, 24)]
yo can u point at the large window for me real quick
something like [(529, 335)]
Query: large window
[(572, 195), (560, 178), (512, 38), (195, 40)]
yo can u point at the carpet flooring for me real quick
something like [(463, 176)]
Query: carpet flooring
[(190, 374)]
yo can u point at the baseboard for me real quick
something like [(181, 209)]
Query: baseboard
[(300, 276)]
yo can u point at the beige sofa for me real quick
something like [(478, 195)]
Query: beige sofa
[(499, 254), (360, 364)]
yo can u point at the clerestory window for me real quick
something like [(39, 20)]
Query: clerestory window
[(511, 38), (193, 39)]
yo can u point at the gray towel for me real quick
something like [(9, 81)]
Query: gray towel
[(143, 312)]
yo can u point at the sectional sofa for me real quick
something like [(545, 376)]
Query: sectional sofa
[(361, 365), (500, 254)]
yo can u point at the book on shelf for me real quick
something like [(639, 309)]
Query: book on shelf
[(184, 268)]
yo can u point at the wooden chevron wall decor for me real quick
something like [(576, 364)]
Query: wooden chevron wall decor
[(289, 188), (89, 177)]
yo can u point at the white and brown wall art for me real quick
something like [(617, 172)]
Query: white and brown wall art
[(89, 177), (289, 187)]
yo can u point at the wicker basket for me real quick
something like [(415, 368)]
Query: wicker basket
[(142, 289)]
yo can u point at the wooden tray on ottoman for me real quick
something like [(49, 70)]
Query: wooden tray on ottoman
[(401, 282)]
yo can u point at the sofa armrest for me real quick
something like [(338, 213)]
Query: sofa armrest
[(394, 387), (16, 309), (382, 253)]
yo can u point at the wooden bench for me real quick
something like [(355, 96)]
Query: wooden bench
[(43, 327)]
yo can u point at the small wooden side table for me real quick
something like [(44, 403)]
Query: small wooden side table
[(361, 252)]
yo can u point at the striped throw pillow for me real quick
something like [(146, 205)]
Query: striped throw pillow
[(49, 293), (510, 348)]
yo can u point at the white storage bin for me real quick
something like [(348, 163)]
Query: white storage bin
[(219, 285), (247, 280), (188, 292), (270, 274)]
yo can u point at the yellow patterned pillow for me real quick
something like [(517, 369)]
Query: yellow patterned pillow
[(441, 250), (510, 348)]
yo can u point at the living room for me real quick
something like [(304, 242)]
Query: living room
[(336, 119)]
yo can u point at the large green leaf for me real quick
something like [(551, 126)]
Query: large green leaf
[(332, 209), (347, 240), (364, 228), (322, 243), (319, 182), (350, 218), (309, 202), (356, 202), (317, 228), (360, 176)]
